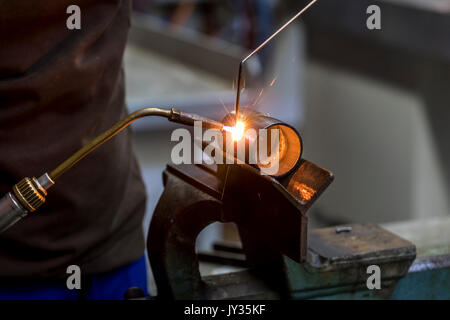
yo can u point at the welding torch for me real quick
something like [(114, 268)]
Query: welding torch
[(29, 194)]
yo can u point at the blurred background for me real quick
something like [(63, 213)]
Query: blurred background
[(373, 106)]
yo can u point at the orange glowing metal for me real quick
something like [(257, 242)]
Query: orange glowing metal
[(303, 191)]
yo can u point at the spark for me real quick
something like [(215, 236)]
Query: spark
[(223, 105), (258, 99), (273, 81)]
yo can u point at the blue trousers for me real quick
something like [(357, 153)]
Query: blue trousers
[(108, 286)]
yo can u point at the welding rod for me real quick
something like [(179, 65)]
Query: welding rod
[(262, 45), (29, 194)]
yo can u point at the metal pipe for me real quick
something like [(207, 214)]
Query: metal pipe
[(290, 145)]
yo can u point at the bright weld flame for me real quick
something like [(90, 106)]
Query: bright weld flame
[(237, 132)]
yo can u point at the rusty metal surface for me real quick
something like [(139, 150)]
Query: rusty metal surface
[(338, 258), (361, 244), (238, 285)]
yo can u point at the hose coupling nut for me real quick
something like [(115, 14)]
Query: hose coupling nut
[(29, 193)]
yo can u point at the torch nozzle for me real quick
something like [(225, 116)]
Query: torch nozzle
[(190, 119)]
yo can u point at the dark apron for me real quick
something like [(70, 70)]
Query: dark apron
[(60, 88)]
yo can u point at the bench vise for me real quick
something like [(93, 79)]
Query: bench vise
[(270, 214)]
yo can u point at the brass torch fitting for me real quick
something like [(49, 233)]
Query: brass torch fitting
[(26, 196), (30, 195)]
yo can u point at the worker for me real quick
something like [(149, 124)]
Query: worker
[(60, 86)]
